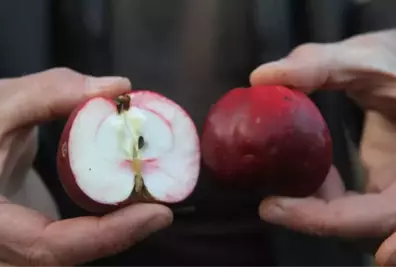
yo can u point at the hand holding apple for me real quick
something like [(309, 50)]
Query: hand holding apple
[(30, 238), (365, 66)]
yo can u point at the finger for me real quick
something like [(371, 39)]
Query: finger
[(332, 65), (79, 240), (386, 253), (54, 93), (323, 66), (370, 215), (307, 67), (333, 187)]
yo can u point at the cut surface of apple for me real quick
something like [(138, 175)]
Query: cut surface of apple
[(139, 146)]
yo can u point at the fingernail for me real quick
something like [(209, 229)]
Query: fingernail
[(266, 69), (271, 64), (95, 84)]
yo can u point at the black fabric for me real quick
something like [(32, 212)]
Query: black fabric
[(192, 51)]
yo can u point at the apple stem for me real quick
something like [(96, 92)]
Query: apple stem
[(123, 103)]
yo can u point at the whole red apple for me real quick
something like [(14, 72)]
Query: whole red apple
[(268, 137), (141, 146)]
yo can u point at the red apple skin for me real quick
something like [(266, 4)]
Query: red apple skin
[(268, 137), (66, 175)]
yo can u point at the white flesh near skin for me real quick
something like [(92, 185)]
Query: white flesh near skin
[(101, 141)]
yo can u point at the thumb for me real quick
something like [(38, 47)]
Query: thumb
[(334, 212), (351, 216), (79, 240), (306, 68), (337, 65), (52, 94), (386, 254)]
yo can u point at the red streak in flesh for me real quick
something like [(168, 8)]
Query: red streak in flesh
[(148, 165)]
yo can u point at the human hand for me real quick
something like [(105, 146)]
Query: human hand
[(365, 66), (30, 238)]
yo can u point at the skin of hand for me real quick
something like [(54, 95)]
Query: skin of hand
[(28, 238), (365, 67)]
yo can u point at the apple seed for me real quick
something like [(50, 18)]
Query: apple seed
[(141, 142)]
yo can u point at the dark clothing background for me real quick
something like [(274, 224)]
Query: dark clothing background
[(193, 51)]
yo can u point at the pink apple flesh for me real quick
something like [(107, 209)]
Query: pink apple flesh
[(116, 153)]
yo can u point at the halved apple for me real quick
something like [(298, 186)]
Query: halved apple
[(140, 147)]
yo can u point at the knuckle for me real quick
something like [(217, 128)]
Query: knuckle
[(63, 74), (62, 71), (61, 77), (307, 49)]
